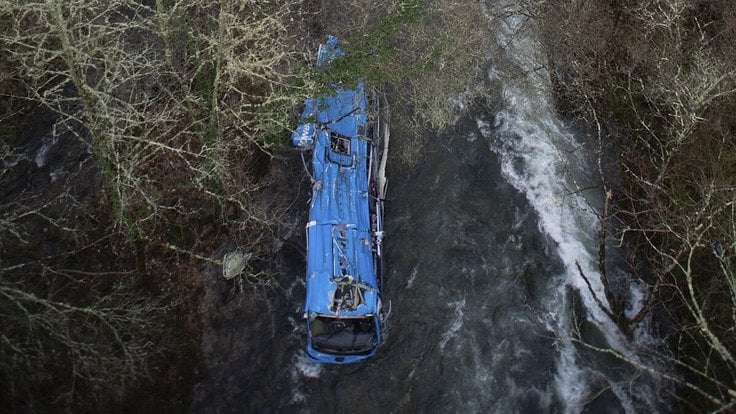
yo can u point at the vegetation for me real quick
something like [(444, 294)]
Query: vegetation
[(430, 54), (167, 113), (158, 121), (658, 79), (170, 111)]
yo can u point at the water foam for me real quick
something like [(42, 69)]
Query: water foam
[(305, 367), (537, 151), (302, 369), (48, 141), (412, 276), (455, 325)]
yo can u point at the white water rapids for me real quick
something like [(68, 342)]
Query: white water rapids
[(542, 158)]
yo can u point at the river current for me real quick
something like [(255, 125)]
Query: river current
[(483, 234)]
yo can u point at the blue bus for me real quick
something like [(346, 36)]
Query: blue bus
[(347, 138)]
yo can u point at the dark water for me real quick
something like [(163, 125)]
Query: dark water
[(467, 273), (483, 234), (474, 286), (478, 295), (467, 269)]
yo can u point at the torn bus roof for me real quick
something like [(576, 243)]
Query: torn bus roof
[(342, 112), (345, 228), (339, 233)]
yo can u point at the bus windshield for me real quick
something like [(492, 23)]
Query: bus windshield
[(344, 336)]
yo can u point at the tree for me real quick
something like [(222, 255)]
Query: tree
[(657, 78), (171, 109)]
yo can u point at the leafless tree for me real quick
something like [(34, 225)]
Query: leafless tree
[(179, 104), (658, 79)]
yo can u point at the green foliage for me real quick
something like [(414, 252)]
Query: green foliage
[(369, 54), (429, 54), (383, 55)]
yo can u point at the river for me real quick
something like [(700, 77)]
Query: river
[(483, 234)]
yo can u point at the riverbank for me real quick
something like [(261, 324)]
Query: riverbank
[(137, 147), (655, 82)]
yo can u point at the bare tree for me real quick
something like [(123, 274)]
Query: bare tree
[(179, 104), (659, 79)]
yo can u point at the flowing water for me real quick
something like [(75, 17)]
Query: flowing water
[(483, 238)]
